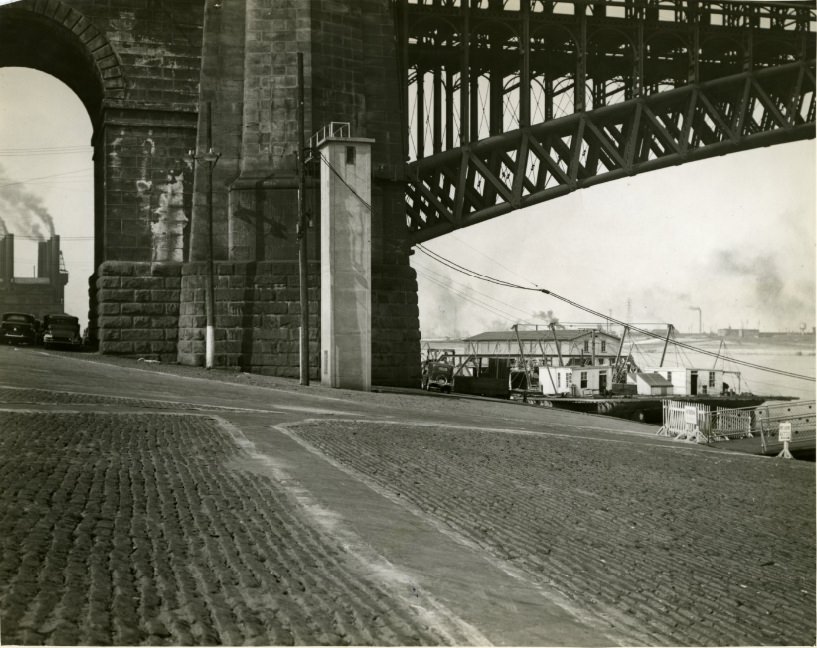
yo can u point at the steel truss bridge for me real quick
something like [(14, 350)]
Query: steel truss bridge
[(513, 102)]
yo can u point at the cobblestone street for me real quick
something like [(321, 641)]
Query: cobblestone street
[(157, 506), (692, 548), (144, 529)]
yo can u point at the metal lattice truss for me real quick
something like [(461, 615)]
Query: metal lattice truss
[(491, 177)]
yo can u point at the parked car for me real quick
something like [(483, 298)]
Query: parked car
[(437, 375), (61, 330), (18, 328)]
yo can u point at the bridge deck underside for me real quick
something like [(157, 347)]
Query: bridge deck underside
[(506, 108)]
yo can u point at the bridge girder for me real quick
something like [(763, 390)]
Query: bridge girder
[(530, 165)]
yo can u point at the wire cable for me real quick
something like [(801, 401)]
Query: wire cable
[(507, 284), (454, 266)]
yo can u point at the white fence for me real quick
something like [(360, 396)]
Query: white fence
[(685, 421), (697, 422)]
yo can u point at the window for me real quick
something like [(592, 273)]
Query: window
[(350, 154), (568, 379), (583, 380), (603, 346), (669, 376), (587, 345), (558, 378), (711, 378)]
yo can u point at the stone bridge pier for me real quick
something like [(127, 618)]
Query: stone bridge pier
[(164, 81)]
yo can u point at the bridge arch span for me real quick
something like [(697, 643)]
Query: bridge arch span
[(61, 41)]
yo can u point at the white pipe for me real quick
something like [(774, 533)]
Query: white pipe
[(209, 346)]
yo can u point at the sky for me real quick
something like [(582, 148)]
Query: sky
[(732, 236), (46, 173)]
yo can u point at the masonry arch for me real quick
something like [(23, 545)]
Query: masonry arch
[(60, 41)]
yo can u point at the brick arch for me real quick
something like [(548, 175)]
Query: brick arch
[(50, 36)]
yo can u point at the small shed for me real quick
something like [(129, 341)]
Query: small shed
[(687, 381), (652, 384)]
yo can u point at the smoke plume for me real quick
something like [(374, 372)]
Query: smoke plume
[(548, 316), (771, 292), (24, 213)]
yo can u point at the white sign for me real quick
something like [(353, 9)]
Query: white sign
[(691, 414), (784, 432)]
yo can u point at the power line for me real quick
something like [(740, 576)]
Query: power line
[(46, 150), (500, 282), (507, 284), (53, 175)]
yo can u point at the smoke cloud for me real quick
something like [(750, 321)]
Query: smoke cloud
[(24, 213), (771, 292), (547, 316)]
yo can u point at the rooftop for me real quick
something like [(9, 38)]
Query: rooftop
[(544, 334)]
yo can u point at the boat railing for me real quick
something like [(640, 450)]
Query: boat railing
[(800, 414)]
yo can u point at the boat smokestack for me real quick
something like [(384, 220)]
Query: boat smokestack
[(700, 326)]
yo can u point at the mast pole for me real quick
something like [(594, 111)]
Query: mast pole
[(666, 343)]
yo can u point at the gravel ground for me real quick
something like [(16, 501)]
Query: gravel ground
[(149, 529), (668, 547)]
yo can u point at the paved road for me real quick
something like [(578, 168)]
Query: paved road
[(162, 505)]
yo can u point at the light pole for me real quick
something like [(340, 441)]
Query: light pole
[(211, 158)]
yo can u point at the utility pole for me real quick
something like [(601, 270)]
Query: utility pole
[(302, 230), (211, 157), (515, 328)]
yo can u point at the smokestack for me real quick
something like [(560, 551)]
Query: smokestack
[(700, 325), (43, 258), (7, 257)]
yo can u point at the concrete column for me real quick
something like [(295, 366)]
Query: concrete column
[(346, 263)]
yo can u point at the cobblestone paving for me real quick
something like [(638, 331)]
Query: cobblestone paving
[(13, 396), (684, 548), (148, 529)]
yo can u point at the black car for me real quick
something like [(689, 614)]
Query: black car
[(61, 330), (437, 375), (18, 328)]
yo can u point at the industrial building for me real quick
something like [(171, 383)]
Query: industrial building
[(38, 295)]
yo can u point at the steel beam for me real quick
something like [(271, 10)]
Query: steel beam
[(620, 140)]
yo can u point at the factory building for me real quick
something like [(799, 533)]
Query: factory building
[(38, 295)]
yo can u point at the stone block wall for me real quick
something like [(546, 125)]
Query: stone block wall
[(138, 309), (257, 317), (395, 329)]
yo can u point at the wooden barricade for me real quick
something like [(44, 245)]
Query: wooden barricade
[(685, 421), (731, 423)]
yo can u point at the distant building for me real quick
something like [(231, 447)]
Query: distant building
[(542, 347), (741, 332), (38, 295)]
